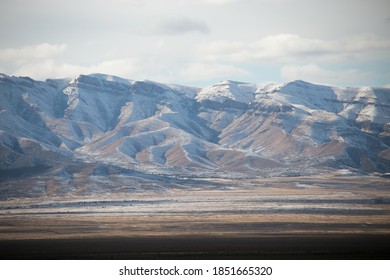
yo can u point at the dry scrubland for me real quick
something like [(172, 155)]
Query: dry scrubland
[(332, 216)]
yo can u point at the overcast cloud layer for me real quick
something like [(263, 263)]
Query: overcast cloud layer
[(199, 42)]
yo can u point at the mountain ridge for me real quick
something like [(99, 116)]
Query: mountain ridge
[(163, 128)]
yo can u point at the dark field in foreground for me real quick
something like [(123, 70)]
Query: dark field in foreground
[(280, 247)]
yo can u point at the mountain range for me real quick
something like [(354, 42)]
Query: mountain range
[(100, 124)]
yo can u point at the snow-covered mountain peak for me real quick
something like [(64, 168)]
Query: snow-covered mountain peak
[(228, 90), (101, 81), (267, 88), (301, 87), (111, 78)]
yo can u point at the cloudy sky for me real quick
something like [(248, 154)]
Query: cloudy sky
[(199, 42)]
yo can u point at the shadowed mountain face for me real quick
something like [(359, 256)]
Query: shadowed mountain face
[(111, 123)]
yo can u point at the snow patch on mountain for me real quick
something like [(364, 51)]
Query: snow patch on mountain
[(225, 90)]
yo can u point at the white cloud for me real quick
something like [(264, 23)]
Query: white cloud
[(52, 69), (21, 55), (119, 67), (315, 74), (291, 47), (180, 26), (205, 72), (44, 61)]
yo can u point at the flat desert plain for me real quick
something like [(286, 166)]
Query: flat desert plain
[(314, 217)]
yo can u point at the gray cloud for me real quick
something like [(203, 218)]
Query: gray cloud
[(291, 47), (181, 26)]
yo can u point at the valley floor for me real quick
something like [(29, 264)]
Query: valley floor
[(321, 217)]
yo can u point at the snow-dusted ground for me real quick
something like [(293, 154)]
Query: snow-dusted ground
[(212, 207)]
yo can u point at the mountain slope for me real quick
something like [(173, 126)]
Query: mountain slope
[(230, 126)]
